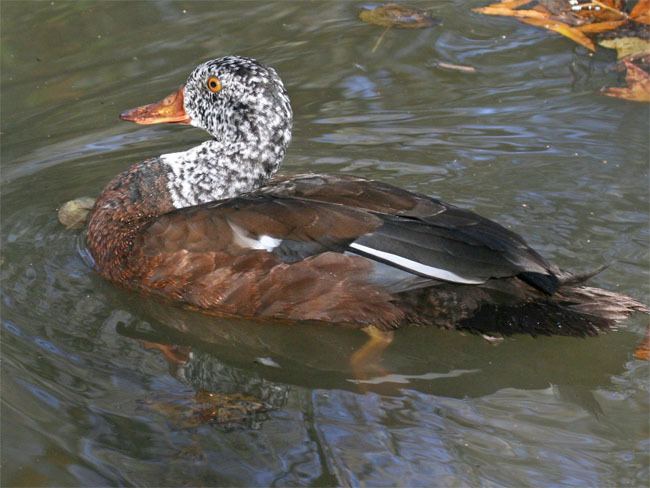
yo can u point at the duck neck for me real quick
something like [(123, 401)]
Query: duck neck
[(216, 171)]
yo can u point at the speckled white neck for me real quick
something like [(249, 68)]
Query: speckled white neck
[(212, 171)]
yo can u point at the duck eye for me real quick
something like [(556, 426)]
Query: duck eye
[(214, 84)]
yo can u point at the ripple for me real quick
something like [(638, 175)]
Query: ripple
[(526, 140)]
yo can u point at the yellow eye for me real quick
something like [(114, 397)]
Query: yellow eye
[(214, 84)]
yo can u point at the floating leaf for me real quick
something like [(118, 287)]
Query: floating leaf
[(498, 10), (573, 19), (513, 3), (641, 12), (73, 214), (596, 27), (561, 10), (627, 46), (564, 29), (394, 15), (600, 10), (638, 81)]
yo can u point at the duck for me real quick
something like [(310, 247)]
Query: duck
[(216, 229)]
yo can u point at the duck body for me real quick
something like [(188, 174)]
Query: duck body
[(215, 229)]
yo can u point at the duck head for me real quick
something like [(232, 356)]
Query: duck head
[(233, 98), (245, 108)]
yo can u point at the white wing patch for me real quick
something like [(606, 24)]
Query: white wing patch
[(423, 269), (264, 242)]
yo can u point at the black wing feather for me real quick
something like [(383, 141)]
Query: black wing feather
[(434, 236)]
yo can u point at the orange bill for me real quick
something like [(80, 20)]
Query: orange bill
[(169, 110)]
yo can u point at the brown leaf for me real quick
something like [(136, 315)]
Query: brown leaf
[(584, 12), (638, 81), (601, 10), (394, 15), (641, 12), (498, 10), (627, 46), (511, 4), (561, 10), (564, 29), (542, 9), (595, 27)]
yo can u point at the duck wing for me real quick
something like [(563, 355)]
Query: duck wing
[(425, 235)]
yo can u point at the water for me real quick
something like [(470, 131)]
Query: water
[(87, 397)]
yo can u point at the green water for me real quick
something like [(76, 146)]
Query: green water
[(527, 140)]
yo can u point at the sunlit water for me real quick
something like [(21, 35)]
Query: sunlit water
[(88, 399)]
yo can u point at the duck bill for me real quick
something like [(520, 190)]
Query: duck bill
[(170, 110)]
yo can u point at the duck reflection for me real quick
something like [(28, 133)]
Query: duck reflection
[(263, 360)]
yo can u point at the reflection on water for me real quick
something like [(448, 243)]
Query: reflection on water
[(101, 387)]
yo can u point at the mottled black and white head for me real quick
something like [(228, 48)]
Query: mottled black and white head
[(245, 108), (238, 99)]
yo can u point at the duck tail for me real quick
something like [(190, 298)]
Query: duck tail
[(573, 310), (596, 302)]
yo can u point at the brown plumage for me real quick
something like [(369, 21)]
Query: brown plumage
[(212, 229)]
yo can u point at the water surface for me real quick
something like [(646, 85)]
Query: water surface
[(87, 397)]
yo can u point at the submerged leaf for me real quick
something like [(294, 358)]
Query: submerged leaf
[(564, 29), (627, 46), (638, 81), (394, 15), (208, 407)]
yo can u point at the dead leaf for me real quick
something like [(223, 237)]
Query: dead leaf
[(541, 8), (596, 27), (512, 4), (641, 12), (394, 15), (627, 46), (498, 10), (638, 81), (564, 17), (600, 10), (564, 29), (561, 10)]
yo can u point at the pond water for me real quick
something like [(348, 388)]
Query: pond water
[(89, 398)]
